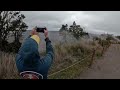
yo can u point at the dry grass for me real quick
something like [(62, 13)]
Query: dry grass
[(8, 68), (65, 55), (69, 53)]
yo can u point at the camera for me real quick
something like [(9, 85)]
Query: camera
[(40, 29)]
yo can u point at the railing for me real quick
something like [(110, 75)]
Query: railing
[(90, 56)]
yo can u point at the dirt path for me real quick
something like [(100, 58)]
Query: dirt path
[(107, 67)]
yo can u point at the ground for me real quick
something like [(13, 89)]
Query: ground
[(107, 67)]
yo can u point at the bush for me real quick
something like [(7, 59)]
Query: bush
[(118, 37), (10, 47)]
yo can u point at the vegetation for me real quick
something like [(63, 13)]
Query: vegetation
[(75, 30), (66, 54), (118, 37), (11, 24), (8, 68)]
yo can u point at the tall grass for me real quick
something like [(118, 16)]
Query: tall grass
[(8, 68), (66, 54)]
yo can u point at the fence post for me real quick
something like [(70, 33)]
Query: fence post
[(103, 50), (92, 57)]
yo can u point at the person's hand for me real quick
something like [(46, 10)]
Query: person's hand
[(46, 33), (34, 32)]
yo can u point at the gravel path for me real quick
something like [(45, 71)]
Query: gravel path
[(107, 67)]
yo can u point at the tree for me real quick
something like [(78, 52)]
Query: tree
[(18, 27), (63, 32), (11, 22), (118, 37), (77, 31), (109, 37), (64, 28)]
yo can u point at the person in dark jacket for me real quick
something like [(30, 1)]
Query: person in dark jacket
[(28, 61)]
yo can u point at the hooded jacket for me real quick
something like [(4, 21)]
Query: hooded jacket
[(28, 58)]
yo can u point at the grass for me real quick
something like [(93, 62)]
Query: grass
[(68, 54), (65, 55), (72, 72), (8, 68)]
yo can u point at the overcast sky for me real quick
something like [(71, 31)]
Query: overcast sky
[(93, 21)]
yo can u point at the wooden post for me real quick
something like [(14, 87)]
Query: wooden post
[(103, 50), (92, 58)]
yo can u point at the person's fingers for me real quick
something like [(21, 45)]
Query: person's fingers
[(34, 32), (44, 30)]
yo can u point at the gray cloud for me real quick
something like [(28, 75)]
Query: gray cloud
[(93, 21)]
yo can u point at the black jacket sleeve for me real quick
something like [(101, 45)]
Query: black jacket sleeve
[(49, 49)]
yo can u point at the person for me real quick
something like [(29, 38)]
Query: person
[(28, 61)]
